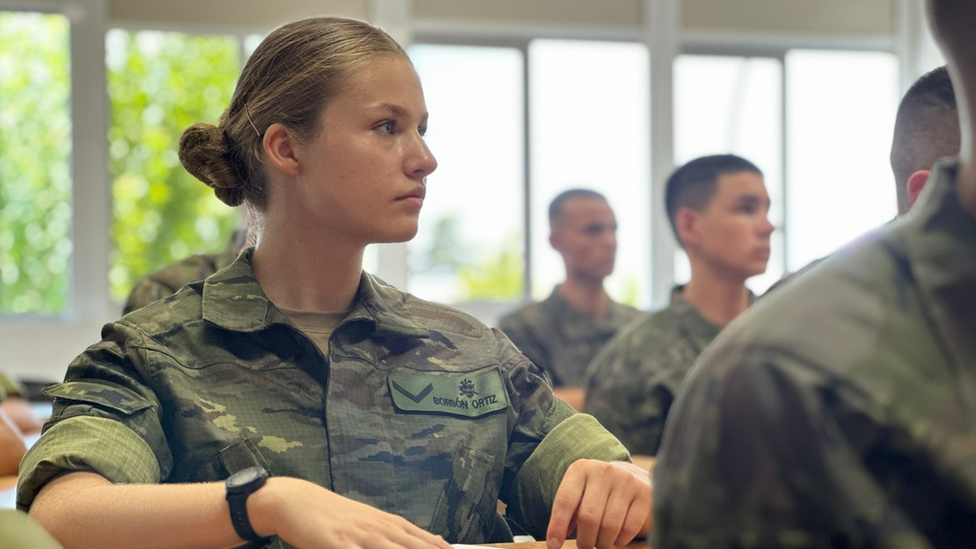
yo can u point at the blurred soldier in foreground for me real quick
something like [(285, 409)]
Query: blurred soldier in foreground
[(840, 412)]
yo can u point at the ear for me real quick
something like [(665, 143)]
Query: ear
[(916, 182), (686, 224), (280, 149)]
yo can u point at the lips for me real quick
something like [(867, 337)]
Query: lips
[(418, 193)]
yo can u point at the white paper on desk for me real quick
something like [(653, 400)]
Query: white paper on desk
[(463, 546)]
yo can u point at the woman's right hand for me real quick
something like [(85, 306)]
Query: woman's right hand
[(311, 517)]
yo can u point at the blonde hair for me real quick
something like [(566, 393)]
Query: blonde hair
[(288, 79)]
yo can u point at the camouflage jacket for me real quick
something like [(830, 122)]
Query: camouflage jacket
[(168, 280), (841, 410), (635, 378), (418, 410), (561, 340)]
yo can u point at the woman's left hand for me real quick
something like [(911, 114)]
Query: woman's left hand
[(607, 504)]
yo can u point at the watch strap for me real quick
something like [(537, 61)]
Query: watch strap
[(239, 518)]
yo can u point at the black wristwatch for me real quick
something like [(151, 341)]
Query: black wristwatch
[(239, 486)]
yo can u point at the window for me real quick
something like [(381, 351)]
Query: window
[(159, 84), (35, 164), (840, 114), (469, 246), (589, 106)]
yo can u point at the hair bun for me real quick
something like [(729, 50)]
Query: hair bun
[(204, 152)]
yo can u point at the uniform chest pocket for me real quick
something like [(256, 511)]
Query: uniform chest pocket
[(465, 512)]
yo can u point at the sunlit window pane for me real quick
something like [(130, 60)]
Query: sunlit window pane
[(35, 163), (590, 127), (840, 113), (160, 84), (727, 104), (469, 246)]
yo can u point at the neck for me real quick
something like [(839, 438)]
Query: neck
[(305, 273), (717, 297), (585, 295)]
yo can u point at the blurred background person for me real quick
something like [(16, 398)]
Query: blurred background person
[(564, 332), (719, 211)]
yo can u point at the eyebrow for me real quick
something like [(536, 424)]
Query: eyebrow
[(396, 110), (753, 199)]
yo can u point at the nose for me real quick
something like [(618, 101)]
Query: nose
[(766, 227), (608, 240), (419, 161)]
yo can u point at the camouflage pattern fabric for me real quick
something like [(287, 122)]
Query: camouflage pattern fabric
[(561, 340), (418, 409), (168, 280), (635, 378), (8, 387), (840, 411), (790, 277)]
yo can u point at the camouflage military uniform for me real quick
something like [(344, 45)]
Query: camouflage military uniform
[(418, 409), (635, 378), (168, 280), (841, 411), (561, 340)]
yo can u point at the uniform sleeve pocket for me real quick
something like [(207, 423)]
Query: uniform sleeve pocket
[(241, 455), (82, 397), (465, 512)]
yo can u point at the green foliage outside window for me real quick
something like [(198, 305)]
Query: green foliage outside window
[(159, 84), (482, 275), (498, 278), (35, 163)]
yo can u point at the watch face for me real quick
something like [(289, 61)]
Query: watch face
[(244, 477)]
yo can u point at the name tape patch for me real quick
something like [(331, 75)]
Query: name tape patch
[(470, 395)]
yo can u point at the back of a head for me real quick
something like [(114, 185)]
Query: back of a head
[(694, 184), (926, 129), (557, 206), (288, 79)]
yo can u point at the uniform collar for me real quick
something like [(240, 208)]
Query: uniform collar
[(695, 327), (576, 325), (940, 242), (233, 299)]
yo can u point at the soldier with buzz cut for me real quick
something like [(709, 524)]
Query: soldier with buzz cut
[(718, 208), (842, 411), (293, 400), (563, 333)]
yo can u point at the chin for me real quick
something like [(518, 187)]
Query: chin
[(757, 271), (389, 237)]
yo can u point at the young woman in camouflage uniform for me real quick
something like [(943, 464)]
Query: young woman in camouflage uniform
[(383, 420)]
